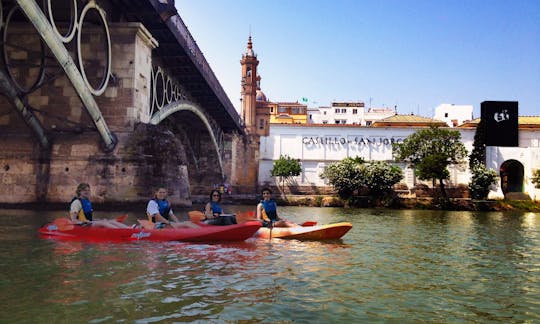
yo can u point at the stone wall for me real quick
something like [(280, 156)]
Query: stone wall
[(146, 156)]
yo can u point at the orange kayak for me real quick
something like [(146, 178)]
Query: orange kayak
[(314, 233)]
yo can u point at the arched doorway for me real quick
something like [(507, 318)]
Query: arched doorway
[(511, 173)]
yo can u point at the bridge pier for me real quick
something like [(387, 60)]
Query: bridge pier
[(185, 148)]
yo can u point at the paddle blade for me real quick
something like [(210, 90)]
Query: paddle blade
[(243, 217), (308, 223), (64, 224), (121, 218), (196, 216)]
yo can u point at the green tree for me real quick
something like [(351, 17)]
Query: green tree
[(478, 154), (536, 178), (431, 151), (285, 168), (482, 179), (351, 174), (344, 176), (379, 177)]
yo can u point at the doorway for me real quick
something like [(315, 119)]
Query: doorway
[(511, 173)]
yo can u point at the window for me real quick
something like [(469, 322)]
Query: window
[(337, 110), (324, 113), (325, 121), (445, 114), (310, 117), (282, 109), (355, 111), (261, 123), (295, 110), (343, 110), (272, 110), (368, 123)]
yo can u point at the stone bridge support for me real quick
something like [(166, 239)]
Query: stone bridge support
[(178, 145)]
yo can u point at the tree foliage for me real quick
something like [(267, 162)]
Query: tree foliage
[(536, 178), (482, 179), (285, 168), (351, 174), (344, 176), (379, 177), (478, 154), (431, 151)]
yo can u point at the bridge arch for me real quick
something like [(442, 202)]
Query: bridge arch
[(188, 106)]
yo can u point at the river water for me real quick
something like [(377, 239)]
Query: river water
[(394, 265)]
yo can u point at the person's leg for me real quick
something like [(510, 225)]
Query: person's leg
[(186, 224)]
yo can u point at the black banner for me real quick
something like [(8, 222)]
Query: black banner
[(501, 122)]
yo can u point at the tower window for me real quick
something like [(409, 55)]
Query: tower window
[(261, 123)]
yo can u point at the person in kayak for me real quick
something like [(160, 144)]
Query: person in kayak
[(159, 211), (80, 210), (214, 213), (267, 212)]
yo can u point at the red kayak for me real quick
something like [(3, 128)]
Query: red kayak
[(239, 232)]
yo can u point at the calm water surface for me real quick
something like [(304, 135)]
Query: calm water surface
[(411, 266)]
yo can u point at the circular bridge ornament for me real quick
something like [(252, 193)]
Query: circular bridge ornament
[(107, 71), (72, 22), (31, 61)]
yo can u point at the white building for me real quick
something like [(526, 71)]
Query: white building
[(316, 146), (453, 115), (347, 113)]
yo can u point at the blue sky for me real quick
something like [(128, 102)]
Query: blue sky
[(413, 54)]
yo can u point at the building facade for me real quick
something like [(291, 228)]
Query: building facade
[(320, 136), (454, 115)]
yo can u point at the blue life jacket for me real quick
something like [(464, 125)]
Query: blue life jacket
[(164, 209), (86, 209), (270, 209), (216, 208)]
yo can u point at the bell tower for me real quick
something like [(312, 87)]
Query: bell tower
[(248, 84)]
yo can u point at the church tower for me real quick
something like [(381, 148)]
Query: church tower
[(249, 84)]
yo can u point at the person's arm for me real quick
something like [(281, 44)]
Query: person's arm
[(173, 217), (74, 210), (259, 212), (208, 211)]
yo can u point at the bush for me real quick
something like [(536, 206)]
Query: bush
[(380, 177), (536, 178), (482, 179)]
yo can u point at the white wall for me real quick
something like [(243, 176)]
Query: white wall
[(318, 146)]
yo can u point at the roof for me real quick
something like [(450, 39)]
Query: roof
[(523, 122), (408, 120)]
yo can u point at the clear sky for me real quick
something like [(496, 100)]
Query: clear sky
[(413, 54)]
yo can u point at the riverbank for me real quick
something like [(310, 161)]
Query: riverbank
[(422, 203)]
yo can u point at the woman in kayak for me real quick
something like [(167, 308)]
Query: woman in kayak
[(267, 212), (80, 210), (159, 211), (214, 212)]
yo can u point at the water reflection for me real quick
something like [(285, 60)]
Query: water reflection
[(392, 265)]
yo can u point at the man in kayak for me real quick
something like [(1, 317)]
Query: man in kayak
[(159, 212), (214, 213), (267, 211), (80, 210)]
